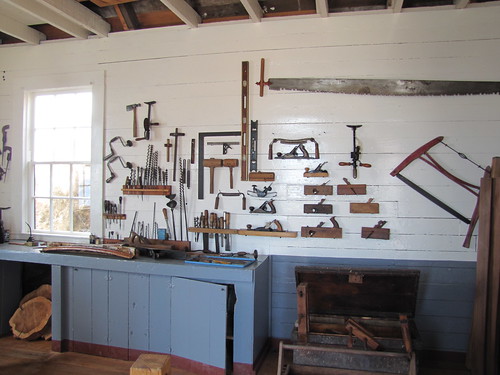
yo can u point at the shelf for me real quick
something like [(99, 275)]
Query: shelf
[(147, 190), (115, 216), (212, 230), (245, 232)]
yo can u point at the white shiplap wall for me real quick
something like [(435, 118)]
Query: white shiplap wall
[(194, 75)]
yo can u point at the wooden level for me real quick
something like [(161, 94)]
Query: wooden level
[(149, 190)]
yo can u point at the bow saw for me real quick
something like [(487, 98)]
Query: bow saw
[(422, 154)]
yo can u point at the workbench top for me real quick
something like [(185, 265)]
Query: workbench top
[(141, 264)]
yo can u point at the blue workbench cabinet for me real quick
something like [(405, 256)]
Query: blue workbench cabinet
[(211, 320)]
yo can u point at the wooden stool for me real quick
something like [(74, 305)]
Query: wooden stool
[(151, 364)]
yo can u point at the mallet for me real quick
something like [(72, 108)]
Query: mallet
[(230, 163), (212, 164)]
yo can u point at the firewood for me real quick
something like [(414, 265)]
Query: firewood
[(44, 290), (29, 320)]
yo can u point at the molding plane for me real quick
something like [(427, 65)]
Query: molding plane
[(20, 31), (253, 9), (184, 11)]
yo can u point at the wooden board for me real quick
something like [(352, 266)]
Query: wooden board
[(318, 190), (364, 208), (321, 232)]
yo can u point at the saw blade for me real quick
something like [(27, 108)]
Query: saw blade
[(385, 87)]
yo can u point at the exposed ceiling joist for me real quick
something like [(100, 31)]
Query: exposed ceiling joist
[(20, 31), (253, 9), (461, 4), (395, 5), (49, 16), (184, 11), (127, 16), (80, 15), (322, 7)]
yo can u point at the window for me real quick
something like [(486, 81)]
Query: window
[(60, 130)]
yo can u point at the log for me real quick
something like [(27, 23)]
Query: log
[(29, 320), (44, 290)]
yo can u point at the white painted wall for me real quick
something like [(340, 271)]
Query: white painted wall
[(195, 77)]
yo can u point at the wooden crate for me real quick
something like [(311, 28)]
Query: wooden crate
[(356, 320)]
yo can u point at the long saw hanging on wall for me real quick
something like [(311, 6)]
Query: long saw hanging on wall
[(422, 154), (380, 87)]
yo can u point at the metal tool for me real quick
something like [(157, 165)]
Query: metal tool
[(316, 172), (356, 152), (127, 143), (265, 192), (385, 87), (122, 162), (265, 208), (133, 107), (227, 222), (243, 199), (225, 145), (294, 153), (148, 123), (172, 204), (176, 135)]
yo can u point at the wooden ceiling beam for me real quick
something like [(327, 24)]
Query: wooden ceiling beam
[(184, 11), (253, 9), (127, 16), (80, 15), (322, 8), (47, 15), (20, 31)]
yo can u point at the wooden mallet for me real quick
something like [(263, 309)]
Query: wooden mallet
[(230, 163), (212, 164)]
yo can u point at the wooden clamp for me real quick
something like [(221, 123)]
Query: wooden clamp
[(323, 232), (351, 189), (377, 232), (318, 208), (212, 164), (230, 163), (361, 333), (364, 208), (322, 189)]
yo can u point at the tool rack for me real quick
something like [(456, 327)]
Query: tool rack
[(150, 190), (244, 232)]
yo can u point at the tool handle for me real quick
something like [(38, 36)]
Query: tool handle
[(216, 206), (344, 164), (231, 183), (244, 203), (227, 220), (366, 165), (212, 173)]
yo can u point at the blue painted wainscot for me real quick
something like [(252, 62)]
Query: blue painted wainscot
[(122, 308)]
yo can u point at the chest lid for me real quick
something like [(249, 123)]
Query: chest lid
[(359, 292)]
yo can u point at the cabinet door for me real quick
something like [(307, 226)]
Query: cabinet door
[(199, 313)]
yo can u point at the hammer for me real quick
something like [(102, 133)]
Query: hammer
[(133, 107), (231, 163), (212, 164)]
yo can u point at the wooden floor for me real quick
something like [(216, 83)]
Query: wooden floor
[(35, 358)]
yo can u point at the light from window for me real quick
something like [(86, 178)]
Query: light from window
[(61, 153)]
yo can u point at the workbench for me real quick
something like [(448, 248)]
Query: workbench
[(209, 319)]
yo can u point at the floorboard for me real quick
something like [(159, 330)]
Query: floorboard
[(18, 357)]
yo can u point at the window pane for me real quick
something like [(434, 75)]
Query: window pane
[(42, 214), (42, 180), (60, 180), (81, 215), (63, 110), (81, 181), (60, 215)]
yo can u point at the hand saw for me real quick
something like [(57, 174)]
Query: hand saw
[(385, 87)]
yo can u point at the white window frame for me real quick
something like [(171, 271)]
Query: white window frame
[(23, 168)]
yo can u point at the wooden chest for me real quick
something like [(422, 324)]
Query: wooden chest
[(353, 321)]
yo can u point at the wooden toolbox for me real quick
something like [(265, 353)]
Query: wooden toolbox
[(353, 321)]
